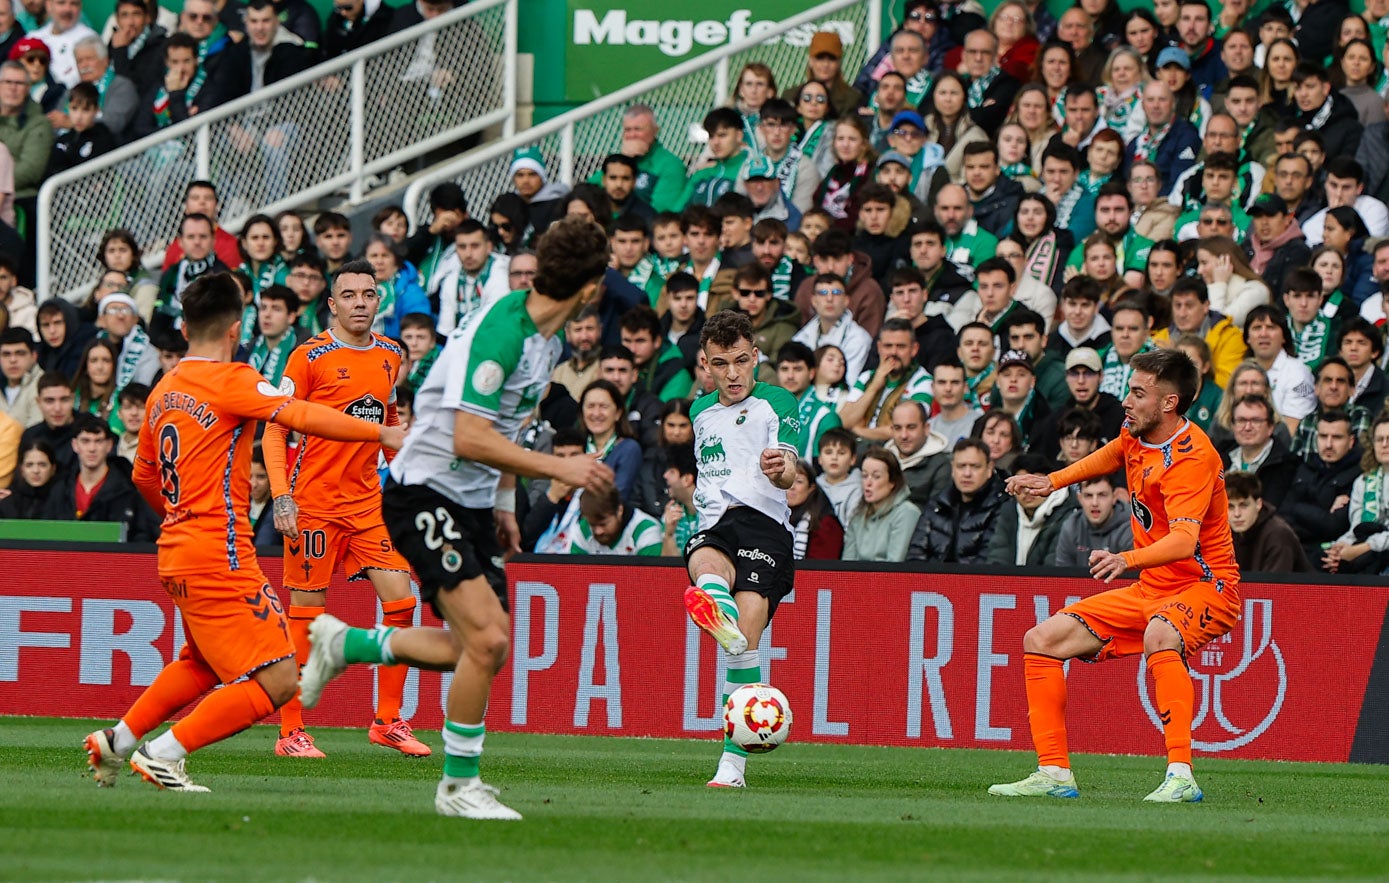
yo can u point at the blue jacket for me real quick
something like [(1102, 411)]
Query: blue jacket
[(409, 298), (1176, 153)]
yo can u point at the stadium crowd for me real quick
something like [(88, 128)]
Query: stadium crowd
[(949, 259)]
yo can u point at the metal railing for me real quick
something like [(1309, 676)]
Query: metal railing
[(574, 143), (325, 130)]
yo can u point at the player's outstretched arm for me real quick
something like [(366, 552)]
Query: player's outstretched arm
[(475, 438), (312, 418), (1106, 461)]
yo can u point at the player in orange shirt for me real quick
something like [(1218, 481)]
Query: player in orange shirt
[(193, 466), (328, 502), (1187, 593)]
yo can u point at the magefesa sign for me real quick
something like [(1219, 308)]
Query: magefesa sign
[(615, 44), (912, 659)]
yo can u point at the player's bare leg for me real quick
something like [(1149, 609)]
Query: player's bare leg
[(397, 611), (1046, 647), (1175, 696)]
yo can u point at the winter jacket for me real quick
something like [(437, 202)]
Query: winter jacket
[(1373, 155), (1307, 507), (995, 209), (29, 138), (23, 310), (885, 253), (1317, 30), (25, 407), (665, 375), (955, 531), (341, 36), (927, 472), (115, 500), (1276, 473), (1270, 546), (1043, 526), (1275, 258), (882, 536), (1078, 537), (1226, 343), (706, 185), (998, 100), (64, 357), (1175, 154), (689, 341), (866, 299), (1237, 297), (1342, 130), (25, 501)]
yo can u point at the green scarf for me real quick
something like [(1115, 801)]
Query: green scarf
[(103, 84), (978, 87), (386, 305), (249, 316), (267, 274), (972, 395), (1315, 339), (465, 292), (132, 348), (1114, 378), (271, 362), (213, 43), (811, 139), (431, 260), (1017, 170), (781, 278), (420, 370), (161, 98), (1369, 510)]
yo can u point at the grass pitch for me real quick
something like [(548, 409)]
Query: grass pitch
[(637, 809)]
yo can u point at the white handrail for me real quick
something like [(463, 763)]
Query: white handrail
[(200, 126), (564, 123)]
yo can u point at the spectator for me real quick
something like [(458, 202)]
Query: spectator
[(774, 322), (653, 485), (422, 350), (544, 199), (1025, 331), (867, 411), (885, 248), (1015, 393), (1082, 324), (1192, 314), (1361, 344), (118, 100), (11, 31), (469, 278), (1264, 543), (431, 245), (833, 322), (63, 31), (608, 526), (681, 516), (609, 434), (617, 365), (1076, 28), (95, 382), (96, 492), (812, 103), (260, 254), (85, 137), (1234, 287), (137, 44), (949, 293), (1330, 113), (1028, 529), (816, 533), (25, 133), (881, 526), (769, 240), (841, 482), (1081, 435), (726, 146), (130, 413), (999, 432), (20, 367), (62, 335), (333, 233), (33, 54), (921, 453), (967, 244), (934, 337), (1317, 504), (991, 89), (794, 170), (1333, 386), (197, 259), (683, 320), (309, 284), (618, 176), (1131, 327), (976, 353), (1271, 344), (954, 418), (1170, 143), (1044, 250), (955, 527), (28, 492), (200, 198), (355, 23), (1208, 392), (834, 254), (660, 364), (852, 152), (824, 67), (795, 367), (552, 512), (660, 174), (397, 285), (1101, 522), (1364, 548), (120, 326), (262, 512), (1276, 245), (994, 196)]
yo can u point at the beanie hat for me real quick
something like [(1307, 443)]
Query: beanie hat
[(529, 158)]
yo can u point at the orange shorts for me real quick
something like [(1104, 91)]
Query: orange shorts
[(1200, 613), (232, 621), (309, 560)]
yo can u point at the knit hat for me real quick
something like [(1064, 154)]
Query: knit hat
[(115, 298), (761, 167), (529, 158)]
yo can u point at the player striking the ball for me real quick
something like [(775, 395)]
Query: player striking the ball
[(741, 558), (328, 505), (193, 467), (1187, 593), (444, 488)]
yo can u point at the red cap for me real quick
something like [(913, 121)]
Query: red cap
[(27, 45)]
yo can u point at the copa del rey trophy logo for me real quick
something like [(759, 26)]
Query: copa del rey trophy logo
[(1241, 680)]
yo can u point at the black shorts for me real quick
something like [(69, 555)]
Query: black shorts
[(760, 549), (444, 542)]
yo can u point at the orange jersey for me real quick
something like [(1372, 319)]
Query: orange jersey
[(331, 478), (1175, 486), (194, 458)]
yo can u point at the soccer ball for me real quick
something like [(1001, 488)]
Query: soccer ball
[(757, 717)]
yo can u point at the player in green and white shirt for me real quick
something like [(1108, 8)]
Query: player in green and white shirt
[(609, 527), (438, 505), (742, 559)]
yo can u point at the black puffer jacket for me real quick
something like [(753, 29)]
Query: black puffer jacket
[(952, 531), (116, 500), (1307, 507)]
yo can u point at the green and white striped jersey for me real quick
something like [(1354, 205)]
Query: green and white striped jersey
[(496, 365)]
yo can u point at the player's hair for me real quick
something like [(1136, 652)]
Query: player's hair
[(1172, 367), (837, 435), (623, 427), (571, 254), (681, 458), (795, 351), (726, 329), (605, 502), (283, 294), (895, 479), (1243, 486), (359, 267), (768, 229), (681, 281), (211, 305), (415, 320), (641, 318), (133, 394), (568, 437)]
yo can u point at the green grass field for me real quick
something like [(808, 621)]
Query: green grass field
[(631, 809)]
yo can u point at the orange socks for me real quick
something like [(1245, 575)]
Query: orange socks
[(224, 713), (181, 681), (390, 679), (1046, 708), (300, 618), (1175, 696)]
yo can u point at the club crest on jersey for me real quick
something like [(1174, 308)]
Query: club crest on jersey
[(369, 408), (488, 377), (286, 386), (1142, 513), (742, 417)]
